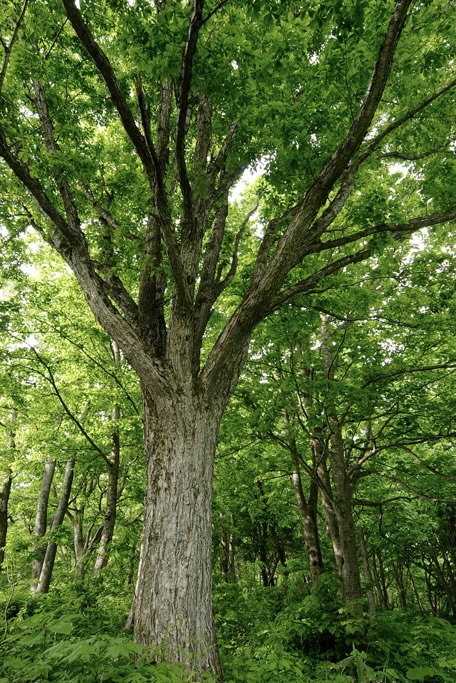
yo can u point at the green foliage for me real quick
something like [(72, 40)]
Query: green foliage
[(49, 647)]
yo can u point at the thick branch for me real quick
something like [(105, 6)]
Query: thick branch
[(73, 236), (183, 102)]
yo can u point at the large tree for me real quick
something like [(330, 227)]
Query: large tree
[(123, 128)]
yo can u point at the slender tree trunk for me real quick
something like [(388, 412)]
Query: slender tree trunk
[(41, 520), (327, 501), (227, 555), (5, 490), (173, 607), (109, 522), (307, 509), (4, 499), (78, 542), (44, 580), (111, 496), (416, 592), (399, 579), (308, 514), (367, 574), (342, 486), (380, 581)]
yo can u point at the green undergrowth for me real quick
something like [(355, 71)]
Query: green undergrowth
[(305, 638), (281, 633)]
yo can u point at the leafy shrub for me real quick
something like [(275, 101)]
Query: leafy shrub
[(41, 649)]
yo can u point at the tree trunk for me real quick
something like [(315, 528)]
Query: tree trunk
[(399, 579), (227, 556), (4, 498), (415, 590), (307, 509), (51, 550), (5, 490), (342, 485), (327, 502), (41, 520), (367, 575), (109, 522), (173, 606), (308, 514), (78, 541), (380, 582)]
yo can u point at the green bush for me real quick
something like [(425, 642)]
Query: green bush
[(44, 647)]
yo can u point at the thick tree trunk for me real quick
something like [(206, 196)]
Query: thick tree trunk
[(51, 550), (41, 520), (173, 606)]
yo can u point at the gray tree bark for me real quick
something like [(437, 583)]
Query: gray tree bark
[(109, 522), (47, 568), (41, 520), (173, 606), (342, 487), (308, 514)]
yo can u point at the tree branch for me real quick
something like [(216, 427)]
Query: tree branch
[(411, 226), (106, 71), (8, 48), (373, 144), (185, 83)]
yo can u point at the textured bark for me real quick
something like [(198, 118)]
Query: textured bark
[(173, 607), (44, 580), (41, 520)]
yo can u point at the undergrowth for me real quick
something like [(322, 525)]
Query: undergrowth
[(282, 633)]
